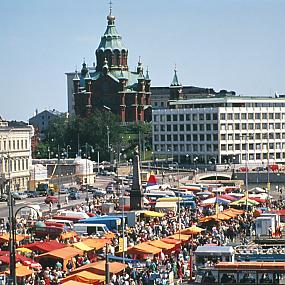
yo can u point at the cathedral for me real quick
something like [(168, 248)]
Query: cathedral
[(111, 85)]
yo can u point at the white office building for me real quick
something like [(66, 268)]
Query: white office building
[(226, 129), (15, 156)]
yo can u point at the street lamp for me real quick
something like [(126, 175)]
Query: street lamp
[(195, 160), (213, 161), (87, 154), (108, 141)]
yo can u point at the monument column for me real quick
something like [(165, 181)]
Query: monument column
[(136, 194)]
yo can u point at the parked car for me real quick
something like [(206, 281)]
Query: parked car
[(99, 193), (63, 191), (74, 195), (32, 194), (19, 195), (110, 189), (51, 199), (3, 198)]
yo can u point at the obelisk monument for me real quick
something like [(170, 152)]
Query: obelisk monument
[(136, 195)]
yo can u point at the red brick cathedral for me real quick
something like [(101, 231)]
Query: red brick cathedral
[(111, 86)]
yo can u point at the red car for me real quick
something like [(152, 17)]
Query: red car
[(51, 199)]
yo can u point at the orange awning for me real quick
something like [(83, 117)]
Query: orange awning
[(161, 244), (62, 253), (67, 235), (143, 248), (99, 267), (22, 271), (96, 243), (193, 230), (85, 277), (171, 240), (180, 237), (6, 237)]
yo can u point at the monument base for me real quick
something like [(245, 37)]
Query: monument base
[(136, 200)]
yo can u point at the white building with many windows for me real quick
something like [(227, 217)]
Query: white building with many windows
[(15, 156), (226, 129)]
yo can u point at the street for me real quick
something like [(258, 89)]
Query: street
[(101, 181)]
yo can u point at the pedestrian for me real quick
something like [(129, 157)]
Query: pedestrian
[(66, 200), (50, 207)]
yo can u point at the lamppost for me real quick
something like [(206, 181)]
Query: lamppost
[(59, 154), (179, 208), (68, 147), (87, 154), (213, 161), (195, 160), (108, 142)]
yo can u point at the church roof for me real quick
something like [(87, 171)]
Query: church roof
[(111, 40)]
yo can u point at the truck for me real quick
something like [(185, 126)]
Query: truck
[(44, 189), (112, 223)]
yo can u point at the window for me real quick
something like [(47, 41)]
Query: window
[(277, 126), (188, 117), (208, 117), (181, 128), (202, 147), (223, 147), (257, 116), (257, 126), (208, 127), (175, 138), (230, 137), (215, 127), (237, 137), (188, 137), (209, 138), (237, 126), (174, 128), (175, 118), (230, 116), (162, 138), (230, 147), (181, 117), (195, 117), (243, 126), (250, 116), (182, 138), (264, 126), (237, 116), (277, 116), (278, 136), (156, 128), (271, 126), (195, 138), (168, 128), (250, 126), (215, 137), (243, 116), (258, 156), (155, 118), (188, 127), (202, 137), (257, 136), (168, 118), (209, 147), (215, 117), (169, 138), (195, 127), (264, 116), (222, 116), (237, 146), (201, 117), (162, 128), (201, 127), (271, 116), (230, 127)]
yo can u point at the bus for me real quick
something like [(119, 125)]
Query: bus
[(242, 273)]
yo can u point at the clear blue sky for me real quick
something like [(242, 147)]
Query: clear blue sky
[(225, 44)]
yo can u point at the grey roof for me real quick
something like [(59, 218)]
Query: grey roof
[(214, 250)]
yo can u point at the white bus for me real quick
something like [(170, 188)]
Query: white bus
[(91, 229)]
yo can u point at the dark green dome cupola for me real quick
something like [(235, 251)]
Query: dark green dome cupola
[(112, 48)]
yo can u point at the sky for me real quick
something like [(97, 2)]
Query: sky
[(222, 44)]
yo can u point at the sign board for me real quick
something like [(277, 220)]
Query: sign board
[(123, 245)]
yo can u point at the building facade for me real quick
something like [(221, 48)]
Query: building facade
[(15, 156), (111, 85), (226, 129)]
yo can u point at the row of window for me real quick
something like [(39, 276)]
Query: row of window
[(170, 149), (251, 116), (252, 126), (253, 136), (19, 164), (188, 127), (263, 156), (6, 145), (187, 137), (186, 117), (253, 146)]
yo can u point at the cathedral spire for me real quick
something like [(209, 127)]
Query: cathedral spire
[(175, 81)]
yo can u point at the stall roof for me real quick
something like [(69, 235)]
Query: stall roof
[(85, 277), (161, 244), (6, 237), (63, 253), (45, 246), (214, 250), (22, 271), (144, 248), (121, 259), (96, 243), (180, 237), (82, 246), (67, 235), (154, 214)]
